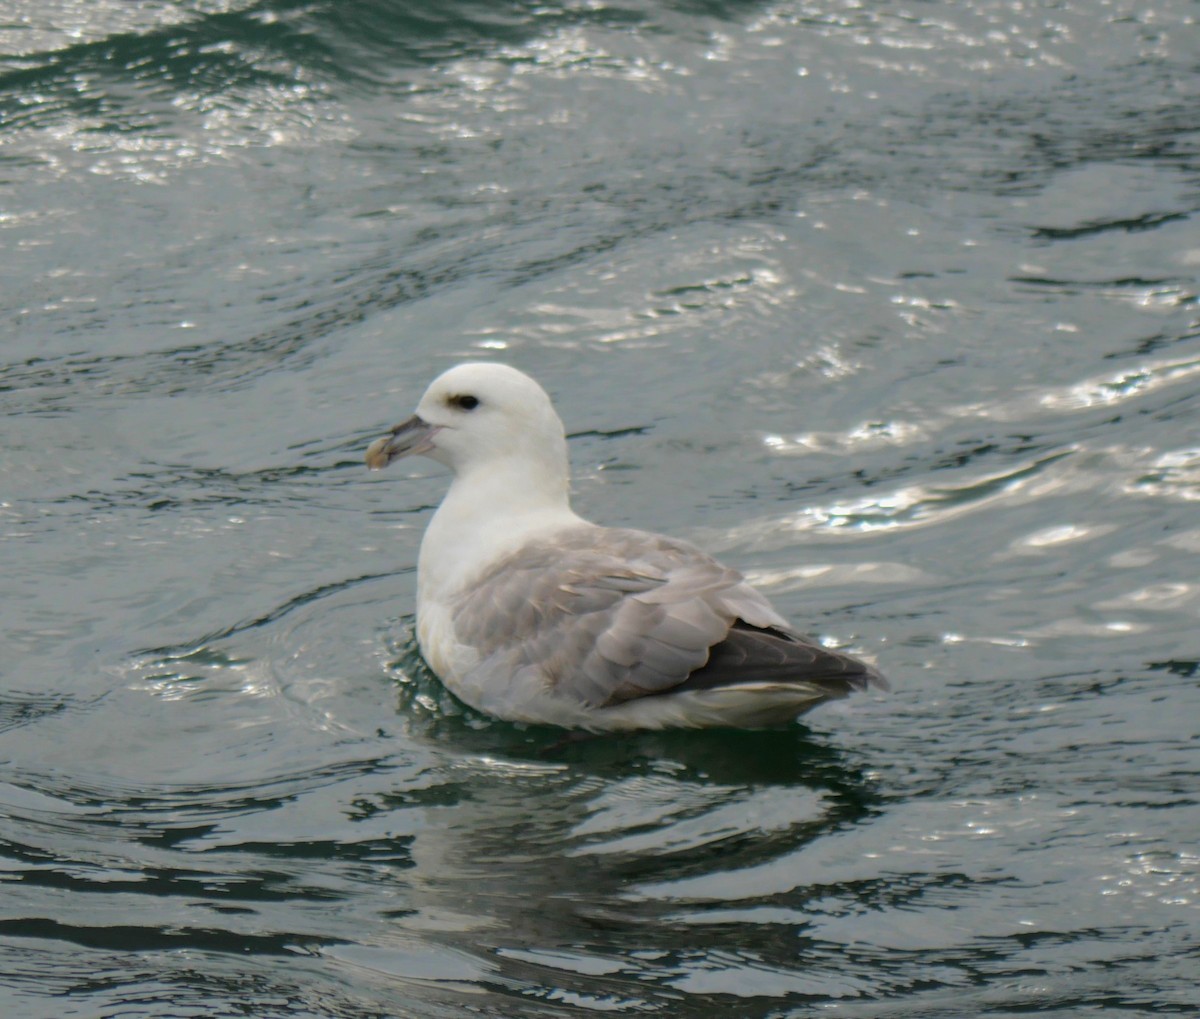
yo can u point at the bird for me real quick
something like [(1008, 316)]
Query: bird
[(529, 613)]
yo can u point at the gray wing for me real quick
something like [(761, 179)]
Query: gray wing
[(606, 615)]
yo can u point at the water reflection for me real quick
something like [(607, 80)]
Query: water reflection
[(564, 876)]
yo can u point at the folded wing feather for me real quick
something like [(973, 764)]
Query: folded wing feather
[(607, 615)]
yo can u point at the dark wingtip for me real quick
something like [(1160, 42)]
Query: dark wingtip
[(875, 678)]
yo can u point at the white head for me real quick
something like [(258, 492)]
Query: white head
[(482, 414)]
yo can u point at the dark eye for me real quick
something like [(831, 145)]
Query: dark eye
[(465, 402)]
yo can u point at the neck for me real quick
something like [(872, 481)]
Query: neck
[(489, 511)]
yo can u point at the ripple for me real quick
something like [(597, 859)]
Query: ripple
[(910, 505), (1170, 879), (1174, 474), (19, 708), (1116, 389)]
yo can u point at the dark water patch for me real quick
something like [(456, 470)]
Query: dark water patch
[(19, 708), (63, 377), (394, 852), (1182, 667), (1150, 221), (1151, 344), (612, 433), (378, 42), (234, 59), (126, 938), (256, 885), (206, 58), (1176, 289)]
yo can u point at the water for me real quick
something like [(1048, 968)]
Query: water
[(892, 307)]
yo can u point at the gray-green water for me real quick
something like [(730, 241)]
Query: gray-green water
[(893, 306)]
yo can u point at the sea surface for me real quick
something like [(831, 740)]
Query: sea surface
[(891, 305)]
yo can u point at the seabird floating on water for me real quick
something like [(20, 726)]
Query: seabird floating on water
[(528, 612)]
